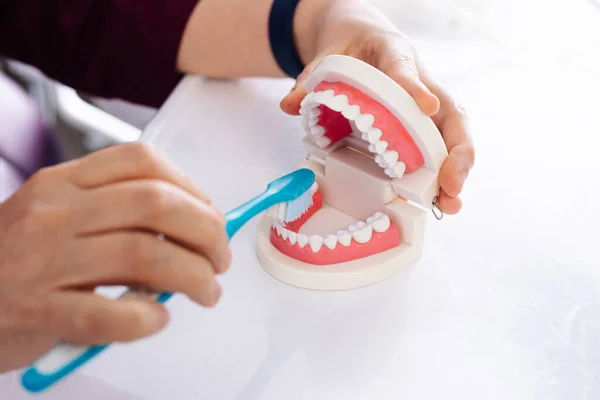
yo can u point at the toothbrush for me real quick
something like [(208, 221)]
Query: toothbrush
[(286, 198)]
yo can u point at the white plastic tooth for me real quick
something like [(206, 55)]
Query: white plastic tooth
[(378, 148), (345, 238), (399, 169), (364, 234), (356, 227), (351, 112), (373, 135), (331, 241), (278, 229), (317, 131), (304, 122), (307, 99), (381, 224), (307, 109), (292, 237), (314, 112), (323, 142), (315, 242), (371, 219), (364, 122), (284, 233), (337, 103), (302, 240), (390, 158), (313, 121), (322, 97)]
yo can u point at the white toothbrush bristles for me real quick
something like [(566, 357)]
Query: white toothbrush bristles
[(295, 208), (277, 211), (292, 210)]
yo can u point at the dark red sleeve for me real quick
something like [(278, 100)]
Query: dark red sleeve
[(109, 48)]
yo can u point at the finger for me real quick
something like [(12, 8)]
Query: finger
[(449, 205), (452, 118), (403, 70), (142, 260), (291, 103), (158, 207), (453, 123), (22, 347), (131, 161), (456, 168), (85, 318)]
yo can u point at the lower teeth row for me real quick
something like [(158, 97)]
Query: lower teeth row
[(361, 232)]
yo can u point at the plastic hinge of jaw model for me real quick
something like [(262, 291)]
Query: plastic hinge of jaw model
[(376, 158)]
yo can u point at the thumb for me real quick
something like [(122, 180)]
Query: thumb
[(291, 103)]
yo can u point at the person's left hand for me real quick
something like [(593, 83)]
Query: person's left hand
[(357, 29)]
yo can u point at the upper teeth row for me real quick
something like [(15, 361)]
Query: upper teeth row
[(387, 159), (361, 232)]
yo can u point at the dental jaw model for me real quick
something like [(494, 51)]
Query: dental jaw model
[(376, 157)]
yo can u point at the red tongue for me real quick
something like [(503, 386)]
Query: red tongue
[(338, 127), (295, 226)]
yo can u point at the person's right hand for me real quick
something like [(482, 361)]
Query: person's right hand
[(94, 222)]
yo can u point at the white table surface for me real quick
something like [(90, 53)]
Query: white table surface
[(504, 304)]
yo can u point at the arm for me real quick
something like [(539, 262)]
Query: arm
[(229, 38), (136, 49), (109, 48)]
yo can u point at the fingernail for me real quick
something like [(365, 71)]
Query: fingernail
[(217, 291)]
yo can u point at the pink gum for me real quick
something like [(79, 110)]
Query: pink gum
[(337, 127)]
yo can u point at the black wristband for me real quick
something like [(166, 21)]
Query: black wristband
[(281, 37)]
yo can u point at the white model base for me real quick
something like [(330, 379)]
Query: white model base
[(343, 276)]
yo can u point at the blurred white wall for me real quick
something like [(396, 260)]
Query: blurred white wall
[(549, 26)]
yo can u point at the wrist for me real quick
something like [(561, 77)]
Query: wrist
[(308, 22)]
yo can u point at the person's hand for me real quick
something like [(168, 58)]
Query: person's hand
[(97, 221), (356, 29)]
